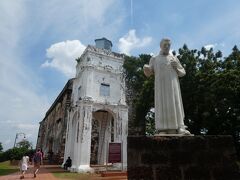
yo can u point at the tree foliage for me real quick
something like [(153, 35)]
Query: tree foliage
[(24, 147), (25, 144), (139, 90), (1, 147), (210, 92)]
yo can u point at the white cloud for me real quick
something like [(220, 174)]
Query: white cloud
[(152, 54), (130, 41), (71, 19), (63, 55), (26, 28), (21, 103), (215, 46), (11, 17), (22, 107), (220, 28), (19, 86), (26, 127), (209, 46)]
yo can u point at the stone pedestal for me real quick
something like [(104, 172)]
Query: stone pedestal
[(182, 158)]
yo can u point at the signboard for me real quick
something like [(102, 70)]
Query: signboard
[(114, 153)]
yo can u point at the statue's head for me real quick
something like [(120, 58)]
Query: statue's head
[(165, 46)]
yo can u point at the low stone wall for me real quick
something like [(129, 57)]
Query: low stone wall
[(182, 158)]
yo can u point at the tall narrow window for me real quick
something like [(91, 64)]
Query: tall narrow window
[(79, 92), (112, 130), (105, 89)]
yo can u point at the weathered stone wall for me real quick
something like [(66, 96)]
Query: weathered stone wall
[(182, 158), (52, 130)]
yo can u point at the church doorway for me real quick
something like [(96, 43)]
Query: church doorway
[(102, 133)]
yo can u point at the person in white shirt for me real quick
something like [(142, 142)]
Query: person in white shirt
[(24, 165)]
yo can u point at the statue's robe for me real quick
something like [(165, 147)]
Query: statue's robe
[(169, 112)]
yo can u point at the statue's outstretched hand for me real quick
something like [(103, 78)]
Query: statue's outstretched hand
[(147, 70)]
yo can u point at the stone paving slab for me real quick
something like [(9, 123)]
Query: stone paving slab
[(45, 174)]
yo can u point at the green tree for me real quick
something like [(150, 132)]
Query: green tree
[(24, 144), (15, 153), (210, 92), (1, 147), (189, 87), (228, 95), (140, 92), (198, 87)]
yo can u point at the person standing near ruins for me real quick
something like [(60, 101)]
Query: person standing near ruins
[(37, 160), (169, 113)]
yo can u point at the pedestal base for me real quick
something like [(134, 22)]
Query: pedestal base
[(82, 168), (182, 158), (85, 169)]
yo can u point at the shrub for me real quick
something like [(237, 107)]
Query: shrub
[(2, 157), (15, 153)]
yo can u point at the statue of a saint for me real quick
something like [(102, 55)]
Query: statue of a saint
[(169, 113)]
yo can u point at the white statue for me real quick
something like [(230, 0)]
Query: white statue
[(169, 113)]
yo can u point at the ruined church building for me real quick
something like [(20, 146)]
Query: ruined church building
[(89, 112)]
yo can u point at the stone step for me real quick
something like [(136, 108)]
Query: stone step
[(114, 178), (100, 168), (113, 173)]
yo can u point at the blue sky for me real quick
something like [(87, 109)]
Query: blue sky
[(39, 41)]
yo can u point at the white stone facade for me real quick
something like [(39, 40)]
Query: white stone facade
[(98, 95)]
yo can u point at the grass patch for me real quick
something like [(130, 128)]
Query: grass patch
[(6, 168), (74, 176)]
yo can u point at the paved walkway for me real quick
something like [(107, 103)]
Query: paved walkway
[(43, 174)]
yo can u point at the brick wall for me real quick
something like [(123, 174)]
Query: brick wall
[(182, 158)]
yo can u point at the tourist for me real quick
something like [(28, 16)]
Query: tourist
[(42, 153), (37, 160), (68, 163), (24, 165)]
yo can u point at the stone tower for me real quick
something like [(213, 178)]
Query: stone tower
[(98, 113)]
